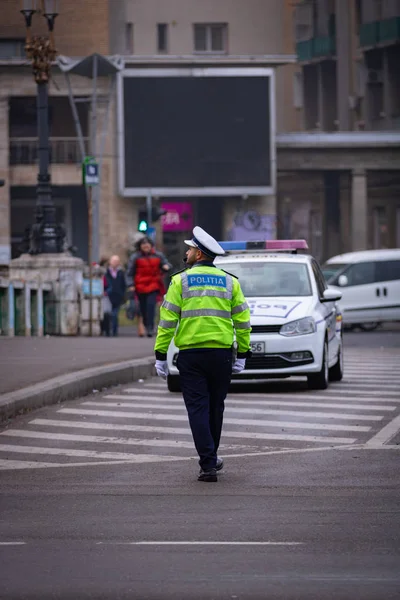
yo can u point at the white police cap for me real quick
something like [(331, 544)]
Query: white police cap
[(205, 242)]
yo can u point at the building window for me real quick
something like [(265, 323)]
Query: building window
[(378, 10), (11, 48), (211, 38), (162, 37), (398, 227), (298, 91), (129, 38)]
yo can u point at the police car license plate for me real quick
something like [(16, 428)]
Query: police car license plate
[(257, 347)]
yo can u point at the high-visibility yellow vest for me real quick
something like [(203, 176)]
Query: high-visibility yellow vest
[(204, 308)]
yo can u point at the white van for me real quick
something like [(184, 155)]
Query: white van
[(370, 285)]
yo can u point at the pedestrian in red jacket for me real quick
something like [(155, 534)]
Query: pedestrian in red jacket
[(145, 270)]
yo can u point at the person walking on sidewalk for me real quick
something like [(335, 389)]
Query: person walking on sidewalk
[(146, 269), (106, 304), (204, 307), (115, 288)]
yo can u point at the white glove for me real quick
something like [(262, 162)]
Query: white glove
[(162, 368), (238, 365)]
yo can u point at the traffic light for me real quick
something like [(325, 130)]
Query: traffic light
[(156, 214), (142, 221)]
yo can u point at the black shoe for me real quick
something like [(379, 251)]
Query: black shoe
[(220, 464), (210, 475)]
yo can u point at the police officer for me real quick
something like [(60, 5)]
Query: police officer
[(208, 306)]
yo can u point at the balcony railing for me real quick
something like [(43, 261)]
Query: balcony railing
[(304, 50), (389, 30), (369, 34), (63, 150), (378, 32), (317, 47), (324, 46)]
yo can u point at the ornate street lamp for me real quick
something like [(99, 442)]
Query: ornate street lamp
[(46, 236)]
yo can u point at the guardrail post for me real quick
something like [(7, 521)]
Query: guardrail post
[(11, 309), (40, 311), (27, 319)]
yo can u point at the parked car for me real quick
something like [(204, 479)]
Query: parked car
[(370, 285), (295, 318)]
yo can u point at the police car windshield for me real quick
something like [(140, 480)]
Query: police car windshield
[(331, 270), (271, 279)]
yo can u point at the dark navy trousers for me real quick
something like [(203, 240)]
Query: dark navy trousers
[(205, 375)]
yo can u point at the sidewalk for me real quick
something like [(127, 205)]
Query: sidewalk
[(26, 361)]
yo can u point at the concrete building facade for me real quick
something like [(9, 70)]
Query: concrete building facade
[(337, 185), (147, 33), (347, 94)]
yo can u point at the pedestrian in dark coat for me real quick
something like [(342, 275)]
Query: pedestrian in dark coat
[(115, 288)]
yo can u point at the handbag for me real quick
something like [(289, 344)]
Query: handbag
[(107, 308), (133, 307)]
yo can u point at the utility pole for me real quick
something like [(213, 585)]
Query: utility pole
[(149, 209)]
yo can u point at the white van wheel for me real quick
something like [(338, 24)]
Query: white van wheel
[(368, 326)]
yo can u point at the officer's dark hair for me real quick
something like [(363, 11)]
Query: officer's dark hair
[(209, 257)]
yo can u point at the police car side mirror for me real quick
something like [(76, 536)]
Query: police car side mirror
[(343, 281), (331, 295)]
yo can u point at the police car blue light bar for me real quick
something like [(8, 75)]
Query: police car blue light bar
[(275, 245)]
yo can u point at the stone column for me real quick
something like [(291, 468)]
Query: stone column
[(5, 249), (64, 272), (343, 52), (359, 210)]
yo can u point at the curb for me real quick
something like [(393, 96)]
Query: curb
[(74, 385)]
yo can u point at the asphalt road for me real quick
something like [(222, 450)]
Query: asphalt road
[(307, 506)]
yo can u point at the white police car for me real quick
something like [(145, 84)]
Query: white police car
[(296, 321)]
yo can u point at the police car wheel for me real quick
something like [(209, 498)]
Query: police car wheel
[(320, 381), (368, 326), (336, 372), (173, 383)]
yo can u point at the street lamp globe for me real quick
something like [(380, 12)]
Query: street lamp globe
[(50, 11), (29, 7), (50, 8)]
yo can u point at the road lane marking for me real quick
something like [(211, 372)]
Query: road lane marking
[(249, 409), (7, 465), (37, 465), (250, 422), (12, 543), (198, 543), (185, 431), (231, 401), (358, 385), (355, 393), (22, 433), (386, 433), (275, 398), (334, 389), (85, 453)]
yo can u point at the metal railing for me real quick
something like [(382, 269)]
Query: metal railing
[(63, 150)]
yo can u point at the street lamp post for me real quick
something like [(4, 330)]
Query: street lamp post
[(46, 236)]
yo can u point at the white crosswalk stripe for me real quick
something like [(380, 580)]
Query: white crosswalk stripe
[(233, 409), (237, 399), (143, 422), (251, 422)]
